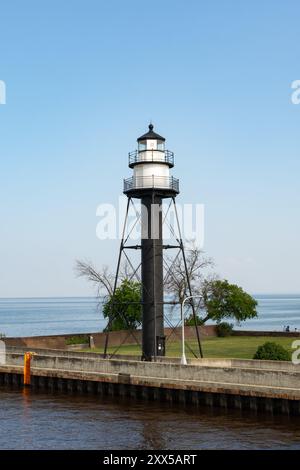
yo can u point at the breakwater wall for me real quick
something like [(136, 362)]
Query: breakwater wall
[(255, 385)]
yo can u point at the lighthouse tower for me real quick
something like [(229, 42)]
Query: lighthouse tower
[(151, 182)]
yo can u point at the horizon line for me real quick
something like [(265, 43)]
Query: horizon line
[(95, 296)]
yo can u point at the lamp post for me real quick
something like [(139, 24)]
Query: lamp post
[(183, 356)]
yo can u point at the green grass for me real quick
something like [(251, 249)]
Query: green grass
[(240, 347)]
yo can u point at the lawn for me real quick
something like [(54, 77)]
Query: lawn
[(242, 347)]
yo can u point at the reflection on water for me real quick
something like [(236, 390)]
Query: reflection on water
[(55, 421)]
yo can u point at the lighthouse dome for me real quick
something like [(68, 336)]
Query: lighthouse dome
[(151, 135)]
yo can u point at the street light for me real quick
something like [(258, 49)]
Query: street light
[(183, 356)]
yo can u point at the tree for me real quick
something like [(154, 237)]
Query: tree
[(176, 280), (103, 279), (217, 298), (124, 308), (223, 300)]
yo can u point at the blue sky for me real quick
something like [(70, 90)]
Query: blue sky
[(83, 80)]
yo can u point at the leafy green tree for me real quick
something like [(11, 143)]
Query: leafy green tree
[(222, 300), (124, 308)]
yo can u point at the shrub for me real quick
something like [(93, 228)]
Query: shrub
[(272, 352), (224, 329)]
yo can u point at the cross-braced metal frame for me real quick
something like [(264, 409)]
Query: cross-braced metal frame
[(135, 274)]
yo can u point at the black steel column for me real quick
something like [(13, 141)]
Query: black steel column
[(152, 276)]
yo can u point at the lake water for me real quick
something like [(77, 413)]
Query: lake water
[(45, 420), (49, 316), (31, 420)]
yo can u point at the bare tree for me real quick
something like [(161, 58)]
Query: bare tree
[(176, 282), (103, 279)]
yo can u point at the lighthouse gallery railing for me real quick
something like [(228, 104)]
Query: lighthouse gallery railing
[(157, 182), (153, 156)]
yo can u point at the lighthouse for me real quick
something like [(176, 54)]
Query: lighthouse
[(151, 182)]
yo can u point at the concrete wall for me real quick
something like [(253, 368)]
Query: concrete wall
[(219, 362), (278, 379), (124, 337), (291, 334), (115, 338)]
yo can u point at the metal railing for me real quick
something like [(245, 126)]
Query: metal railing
[(151, 156), (151, 182)]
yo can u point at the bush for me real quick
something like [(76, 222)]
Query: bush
[(224, 329), (272, 352)]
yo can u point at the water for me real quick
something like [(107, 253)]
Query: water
[(54, 421), (31, 420), (275, 312), (49, 316)]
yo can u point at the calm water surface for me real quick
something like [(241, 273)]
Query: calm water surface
[(54, 421), (50, 316)]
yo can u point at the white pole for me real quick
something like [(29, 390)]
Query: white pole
[(183, 356)]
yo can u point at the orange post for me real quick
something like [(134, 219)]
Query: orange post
[(27, 361)]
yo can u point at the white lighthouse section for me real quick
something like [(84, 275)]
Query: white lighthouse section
[(151, 176), (154, 172), (151, 164)]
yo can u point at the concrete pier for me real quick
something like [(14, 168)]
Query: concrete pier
[(268, 386)]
